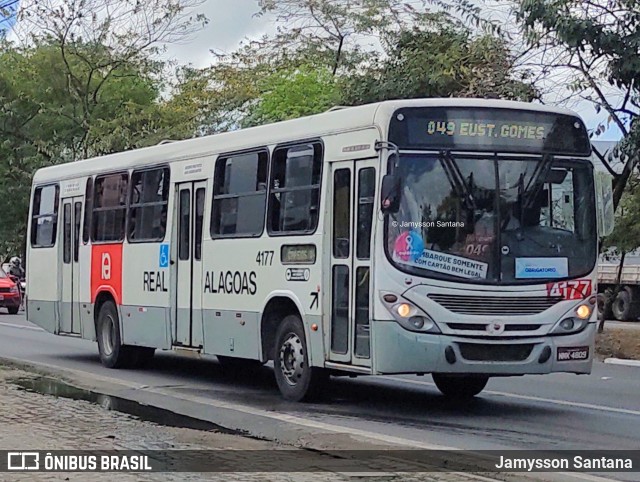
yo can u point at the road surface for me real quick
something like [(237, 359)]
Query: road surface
[(552, 412)]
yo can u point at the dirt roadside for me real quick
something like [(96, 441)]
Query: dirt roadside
[(618, 343)]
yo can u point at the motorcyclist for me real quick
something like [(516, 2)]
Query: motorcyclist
[(15, 268)]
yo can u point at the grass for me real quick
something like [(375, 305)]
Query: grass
[(618, 343)]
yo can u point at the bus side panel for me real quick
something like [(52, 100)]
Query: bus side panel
[(87, 320), (42, 281), (146, 285), (42, 292), (232, 333)]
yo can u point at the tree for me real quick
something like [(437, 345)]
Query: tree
[(292, 93), (440, 61), (596, 43), (82, 81)]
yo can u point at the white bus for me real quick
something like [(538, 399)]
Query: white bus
[(456, 237)]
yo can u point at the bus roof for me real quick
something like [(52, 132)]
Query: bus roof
[(334, 121)]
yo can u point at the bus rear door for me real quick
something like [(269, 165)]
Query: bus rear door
[(189, 222), (70, 306)]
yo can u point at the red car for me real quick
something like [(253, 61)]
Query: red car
[(9, 293)]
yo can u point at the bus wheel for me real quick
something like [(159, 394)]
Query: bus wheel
[(460, 387), (296, 379), (13, 310), (112, 353)]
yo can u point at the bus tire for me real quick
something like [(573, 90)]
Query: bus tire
[(625, 306), (460, 387), (113, 354), (297, 380), (13, 310)]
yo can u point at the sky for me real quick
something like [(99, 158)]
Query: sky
[(231, 23)]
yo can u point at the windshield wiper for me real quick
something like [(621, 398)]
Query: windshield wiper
[(456, 180), (536, 182)]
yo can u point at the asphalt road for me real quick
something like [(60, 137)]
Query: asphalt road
[(553, 412)]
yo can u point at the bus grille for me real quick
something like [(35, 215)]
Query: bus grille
[(483, 327), (498, 353), (5, 290), (495, 305)]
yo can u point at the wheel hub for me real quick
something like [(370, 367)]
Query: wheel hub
[(108, 335), (292, 359)]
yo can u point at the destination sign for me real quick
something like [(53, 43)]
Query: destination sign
[(483, 129)]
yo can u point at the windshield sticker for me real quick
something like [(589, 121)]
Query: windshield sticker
[(449, 264), (408, 246), (531, 268)]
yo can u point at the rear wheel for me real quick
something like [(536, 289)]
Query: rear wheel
[(460, 387), (296, 379), (112, 353), (625, 307)]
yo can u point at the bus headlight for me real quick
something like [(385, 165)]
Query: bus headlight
[(409, 316), (569, 326), (583, 312)]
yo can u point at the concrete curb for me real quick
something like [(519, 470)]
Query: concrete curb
[(621, 361)]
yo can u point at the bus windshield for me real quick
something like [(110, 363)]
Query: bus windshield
[(482, 219)]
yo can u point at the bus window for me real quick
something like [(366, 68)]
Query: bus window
[(341, 213), (110, 208), (366, 190), (66, 242), (239, 195), (295, 189), (86, 228), (148, 205), (44, 222), (199, 220), (77, 211), (184, 246)]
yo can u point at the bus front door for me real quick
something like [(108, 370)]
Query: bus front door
[(189, 222), (70, 296), (350, 225)]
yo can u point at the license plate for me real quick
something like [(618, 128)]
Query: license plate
[(573, 353)]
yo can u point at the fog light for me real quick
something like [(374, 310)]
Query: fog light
[(583, 312), (417, 321), (567, 324), (404, 310)]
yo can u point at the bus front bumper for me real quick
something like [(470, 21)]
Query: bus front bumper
[(396, 350)]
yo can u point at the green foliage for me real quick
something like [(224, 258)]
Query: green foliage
[(443, 62), (292, 93), (46, 120)]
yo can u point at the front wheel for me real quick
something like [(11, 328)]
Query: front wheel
[(460, 387), (13, 310), (296, 379)]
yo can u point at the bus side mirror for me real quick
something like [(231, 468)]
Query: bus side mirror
[(604, 203), (390, 196)]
